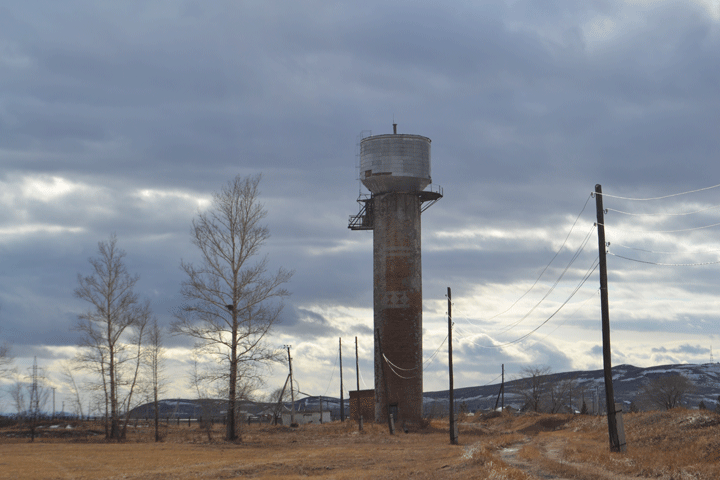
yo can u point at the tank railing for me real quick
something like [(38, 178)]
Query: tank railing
[(434, 188), (430, 196), (363, 220)]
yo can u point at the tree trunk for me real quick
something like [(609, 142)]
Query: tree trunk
[(232, 390)]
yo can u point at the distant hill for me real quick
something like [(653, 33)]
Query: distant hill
[(627, 383)]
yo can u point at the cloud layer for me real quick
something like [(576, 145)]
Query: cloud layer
[(125, 118)]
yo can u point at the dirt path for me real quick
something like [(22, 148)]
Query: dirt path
[(551, 463)]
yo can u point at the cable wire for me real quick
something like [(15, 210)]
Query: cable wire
[(491, 381), (663, 231), (582, 304), (362, 379), (662, 214), (665, 264), (427, 362), (333, 373), (399, 368), (552, 288), (592, 268), (548, 265), (396, 373), (660, 198), (664, 253)]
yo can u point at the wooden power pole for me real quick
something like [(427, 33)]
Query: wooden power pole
[(357, 371), (453, 425), (617, 436), (502, 389), (292, 390), (342, 398)]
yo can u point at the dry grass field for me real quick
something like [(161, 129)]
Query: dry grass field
[(680, 444)]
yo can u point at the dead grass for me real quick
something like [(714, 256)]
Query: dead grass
[(669, 445), (676, 444)]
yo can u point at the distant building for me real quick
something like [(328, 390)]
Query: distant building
[(302, 418)]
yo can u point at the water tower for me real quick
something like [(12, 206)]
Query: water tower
[(396, 170)]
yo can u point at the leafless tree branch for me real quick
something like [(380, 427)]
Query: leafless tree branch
[(232, 303)]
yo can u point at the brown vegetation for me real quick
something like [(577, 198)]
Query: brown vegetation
[(673, 444)]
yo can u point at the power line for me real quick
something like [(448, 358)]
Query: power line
[(589, 272), (552, 288), (399, 368), (362, 379), (663, 231), (660, 198), (582, 304), (665, 253), (333, 373), (665, 264), (396, 373), (549, 263), (491, 381), (427, 362), (547, 294), (662, 214)]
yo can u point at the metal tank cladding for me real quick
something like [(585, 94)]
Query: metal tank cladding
[(395, 163)]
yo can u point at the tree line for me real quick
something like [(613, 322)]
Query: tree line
[(231, 304), (540, 393)]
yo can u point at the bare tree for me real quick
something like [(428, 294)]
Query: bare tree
[(667, 391), (6, 360), (142, 318), (67, 371), (108, 327), (560, 394), (233, 302), (278, 398), (198, 382), (17, 395), (155, 363), (532, 386)]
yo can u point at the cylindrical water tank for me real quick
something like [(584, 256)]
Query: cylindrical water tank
[(395, 163)]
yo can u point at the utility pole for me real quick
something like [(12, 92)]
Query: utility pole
[(615, 444), (53, 412), (502, 389), (453, 425), (342, 398), (357, 370), (292, 392)]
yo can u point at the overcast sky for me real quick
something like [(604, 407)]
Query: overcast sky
[(124, 117)]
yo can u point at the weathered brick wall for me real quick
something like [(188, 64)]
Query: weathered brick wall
[(397, 301), (362, 403)]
